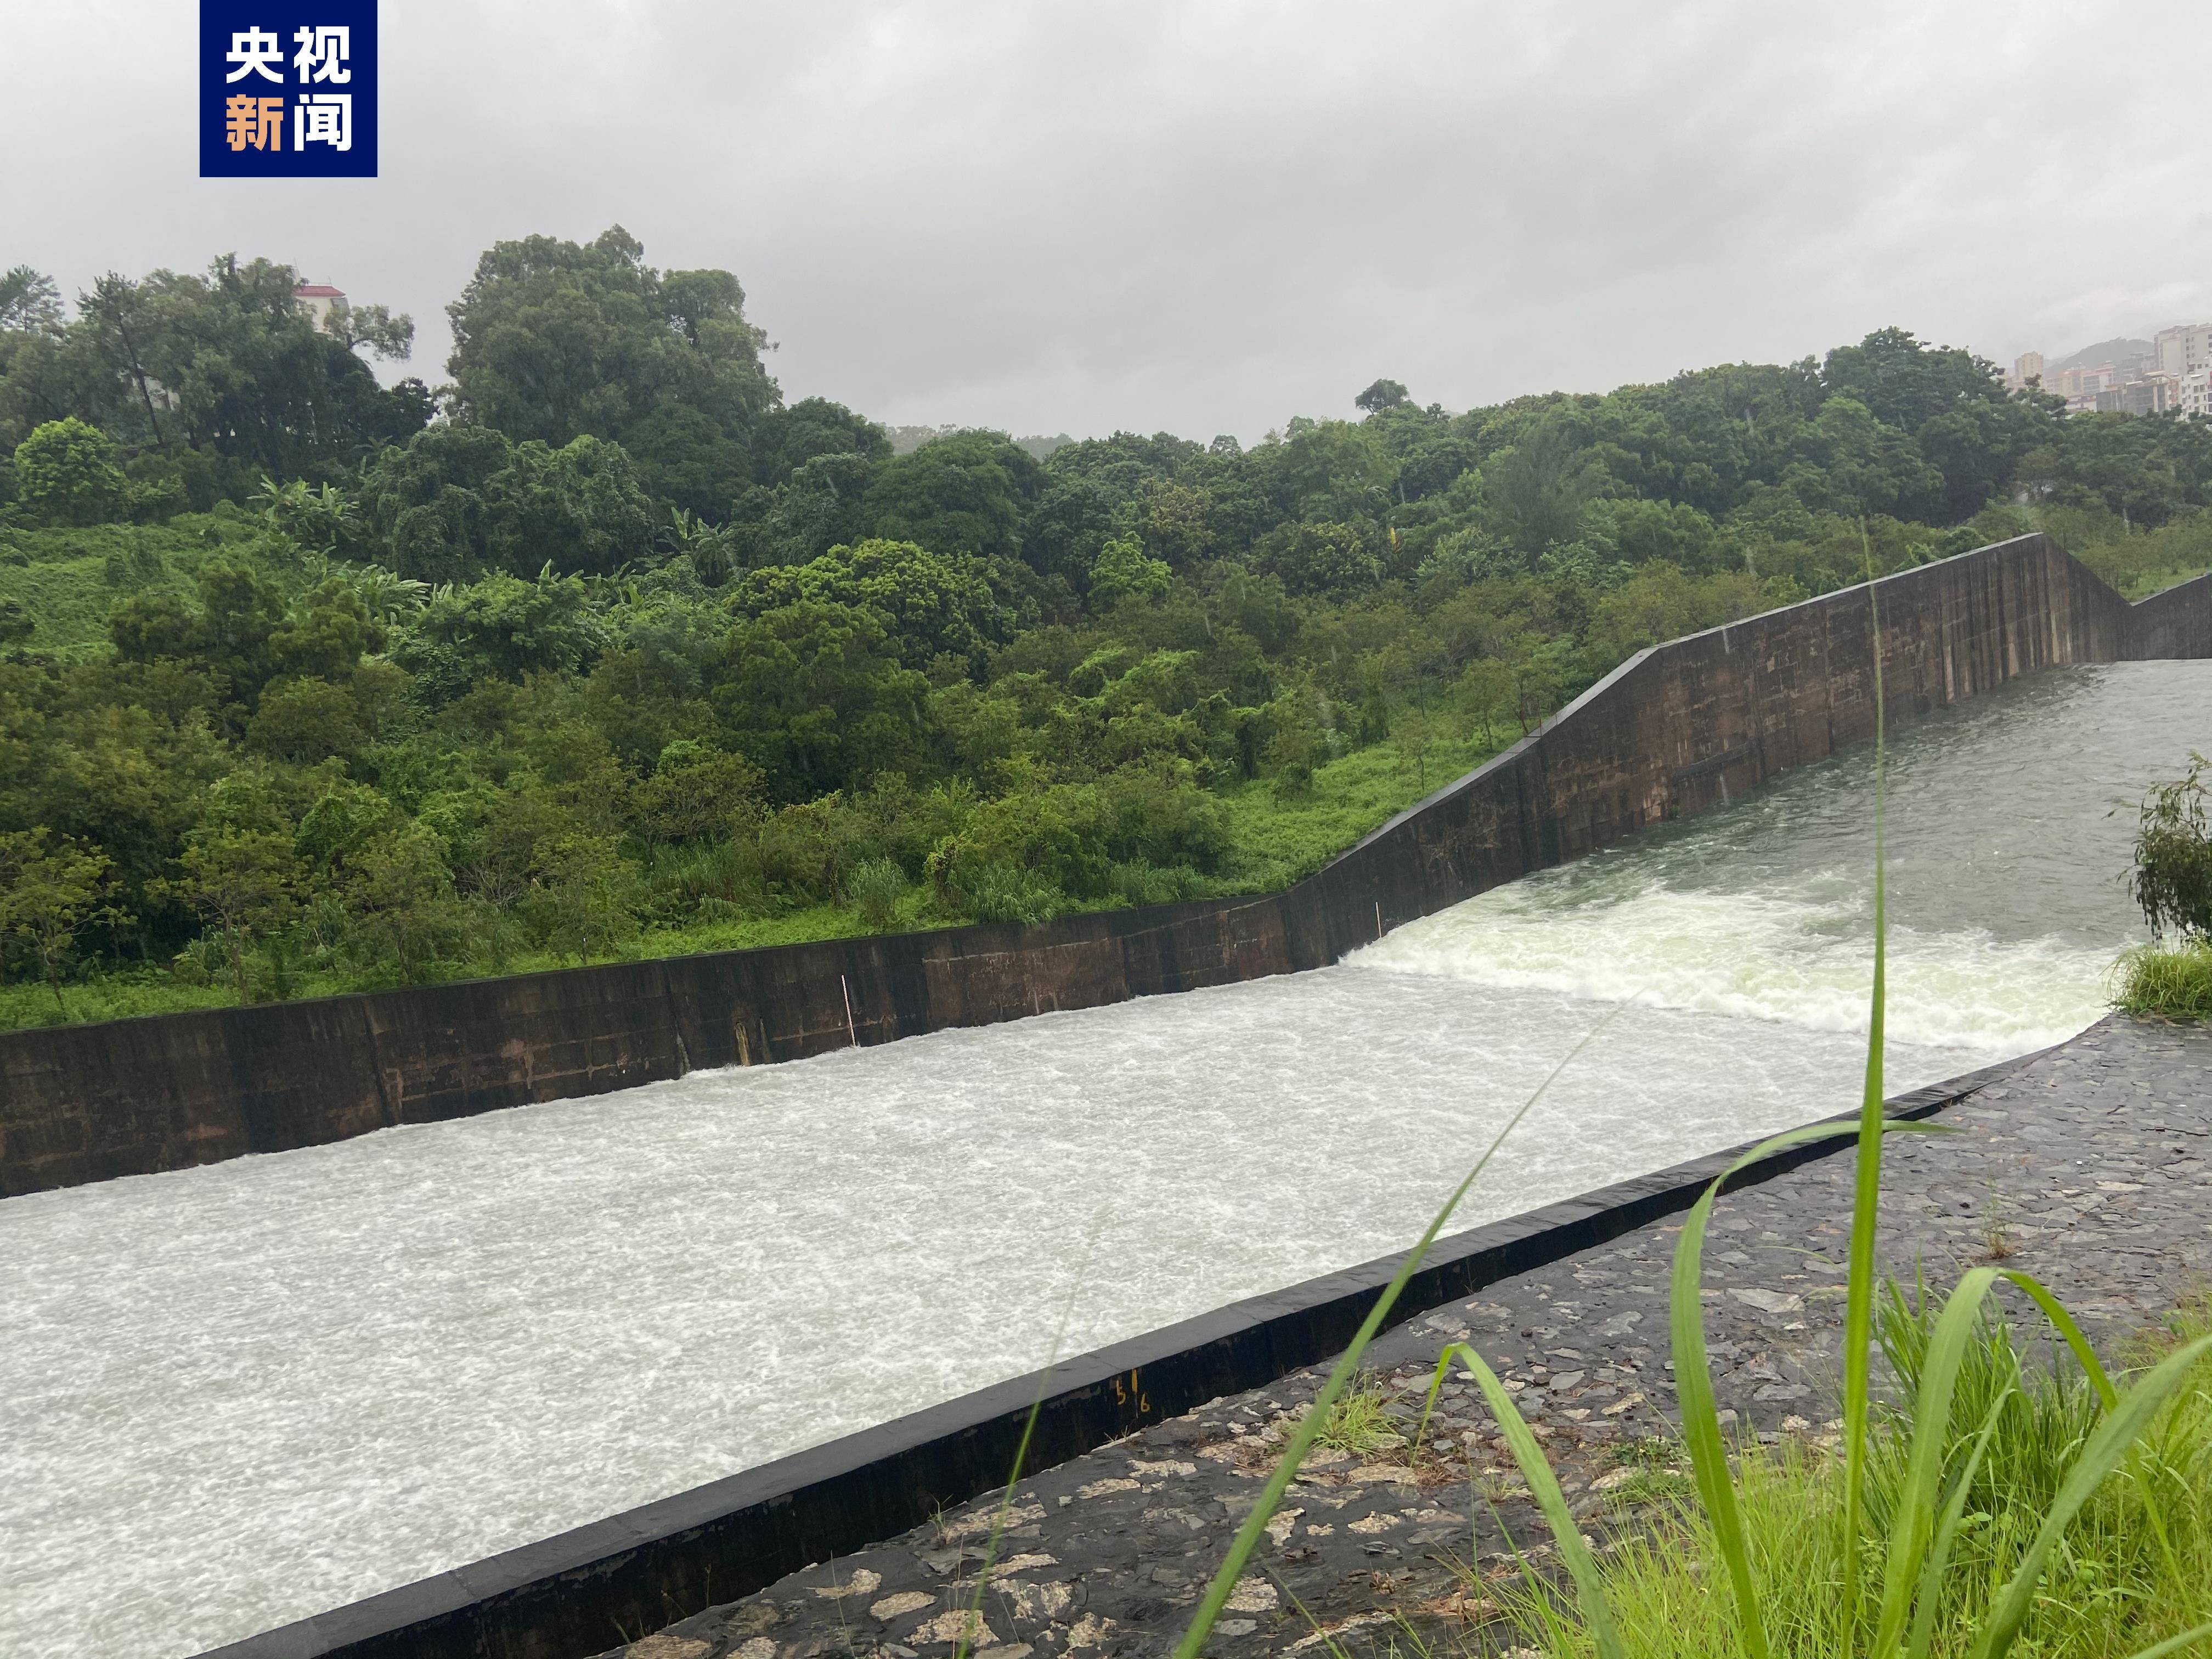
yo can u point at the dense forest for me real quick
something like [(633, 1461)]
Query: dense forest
[(601, 648)]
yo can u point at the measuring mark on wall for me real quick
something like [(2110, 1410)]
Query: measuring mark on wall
[(850, 1031), (1378, 918)]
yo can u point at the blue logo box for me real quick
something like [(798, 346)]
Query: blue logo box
[(288, 90)]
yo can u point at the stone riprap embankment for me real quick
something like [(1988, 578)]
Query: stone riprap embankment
[(2086, 1166)]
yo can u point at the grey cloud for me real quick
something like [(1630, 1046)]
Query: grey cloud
[(1211, 216)]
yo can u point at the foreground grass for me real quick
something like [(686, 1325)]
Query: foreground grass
[(2134, 1568), (2166, 984)]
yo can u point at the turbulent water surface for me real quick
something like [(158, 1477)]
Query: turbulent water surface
[(237, 1396)]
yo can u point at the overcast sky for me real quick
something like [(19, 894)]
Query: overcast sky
[(1202, 215)]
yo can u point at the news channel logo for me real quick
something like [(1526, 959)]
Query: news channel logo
[(288, 91)]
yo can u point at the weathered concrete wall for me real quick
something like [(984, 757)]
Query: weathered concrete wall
[(1672, 731)]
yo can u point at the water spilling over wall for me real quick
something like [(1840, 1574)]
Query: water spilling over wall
[(244, 1393)]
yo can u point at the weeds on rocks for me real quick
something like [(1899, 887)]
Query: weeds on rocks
[(1358, 1423), (2165, 983)]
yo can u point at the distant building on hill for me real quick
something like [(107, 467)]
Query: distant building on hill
[(318, 299), (2165, 375), (2181, 349)]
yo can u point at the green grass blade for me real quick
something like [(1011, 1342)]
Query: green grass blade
[(1582, 1565), (1693, 1385), (2174, 1644), (2120, 1429), (2055, 1311), (1429, 1405), (1914, 1523), (1866, 1196), (1301, 1437), (1946, 1529)]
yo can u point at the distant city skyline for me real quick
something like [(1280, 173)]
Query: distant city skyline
[(2170, 371)]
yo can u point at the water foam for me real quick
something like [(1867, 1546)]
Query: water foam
[(1797, 960)]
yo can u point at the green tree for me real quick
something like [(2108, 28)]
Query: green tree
[(326, 631), (819, 506), (934, 603), (65, 473), (244, 880), (389, 337), (964, 494), (1321, 558), (815, 693), (2172, 879), (29, 302), (696, 792), (457, 501), (402, 915), (249, 383), (46, 895), (307, 721), (553, 340), (1122, 569), (584, 895), (500, 628), (811, 428), (1383, 394), (1534, 492)]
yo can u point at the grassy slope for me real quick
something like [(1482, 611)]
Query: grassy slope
[(73, 578), (1279, 841)]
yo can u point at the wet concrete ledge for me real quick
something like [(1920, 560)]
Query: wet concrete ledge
[(570, 1597), (1673, 731)]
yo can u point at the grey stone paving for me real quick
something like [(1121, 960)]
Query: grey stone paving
[(2088, 1167)]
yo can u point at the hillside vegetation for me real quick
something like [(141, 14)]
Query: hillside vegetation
[(604, 649)]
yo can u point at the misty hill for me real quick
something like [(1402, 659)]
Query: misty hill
[(905, 440), (2104, 351)]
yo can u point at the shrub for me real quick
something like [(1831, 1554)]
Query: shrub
[(1143, 884), (876, 886), (2169, 984), (812, 848), (65, 473), (990, 892), (1122, 569), (2173, 881)]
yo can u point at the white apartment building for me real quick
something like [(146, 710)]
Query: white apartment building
[(2193, 393), (2184, 347)]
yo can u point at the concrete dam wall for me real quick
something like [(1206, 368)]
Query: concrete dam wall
[(1673, 731)]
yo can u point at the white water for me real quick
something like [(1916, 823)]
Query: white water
[(237, 1396)]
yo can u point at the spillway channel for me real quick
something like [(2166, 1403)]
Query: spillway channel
[(238, 1395)]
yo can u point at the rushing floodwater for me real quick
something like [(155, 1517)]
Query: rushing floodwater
[(237, 1396)]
